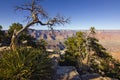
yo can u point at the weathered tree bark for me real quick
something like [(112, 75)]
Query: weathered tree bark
[(15, 36), (13, 41)]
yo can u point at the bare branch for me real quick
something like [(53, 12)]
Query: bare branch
[(24, 28), (28, 19), (42, 12), (52, 30), (35, 9), (22, 8), (41, 23), (58, 20)]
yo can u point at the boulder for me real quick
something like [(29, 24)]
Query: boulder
[(67, 73)]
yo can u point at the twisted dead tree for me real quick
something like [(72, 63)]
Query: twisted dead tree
[(37, 14)]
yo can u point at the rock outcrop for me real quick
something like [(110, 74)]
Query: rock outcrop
[(67, 73), (63, 72)]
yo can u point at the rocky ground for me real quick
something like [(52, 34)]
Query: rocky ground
[(70, 72)]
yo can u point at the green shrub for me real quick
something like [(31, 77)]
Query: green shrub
[(68, 60), (109, 68), (25, 64)]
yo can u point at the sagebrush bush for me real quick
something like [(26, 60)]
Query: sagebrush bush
[(25, 64)]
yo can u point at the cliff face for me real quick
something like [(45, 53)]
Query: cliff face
[(110, 39), (54, 41), (47, 35)]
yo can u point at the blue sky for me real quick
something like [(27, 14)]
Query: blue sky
[(102, 14)]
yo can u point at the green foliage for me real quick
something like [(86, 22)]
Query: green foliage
[(2, 36), (75, 50), (85, 45), (92, 30), (14, 26), (68, 60), (25, 64), (30, 41), (41, 44), (97, 48), (71, 45), (101, 61), (106, 67), (0, 27), (75, 45), (26, 40)]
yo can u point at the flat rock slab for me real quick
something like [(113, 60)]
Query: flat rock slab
[(67, 73)]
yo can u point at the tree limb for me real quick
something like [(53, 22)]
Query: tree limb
[(36, 15)]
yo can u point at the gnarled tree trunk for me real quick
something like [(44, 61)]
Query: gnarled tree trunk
[(13, 44), (16, 34)]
